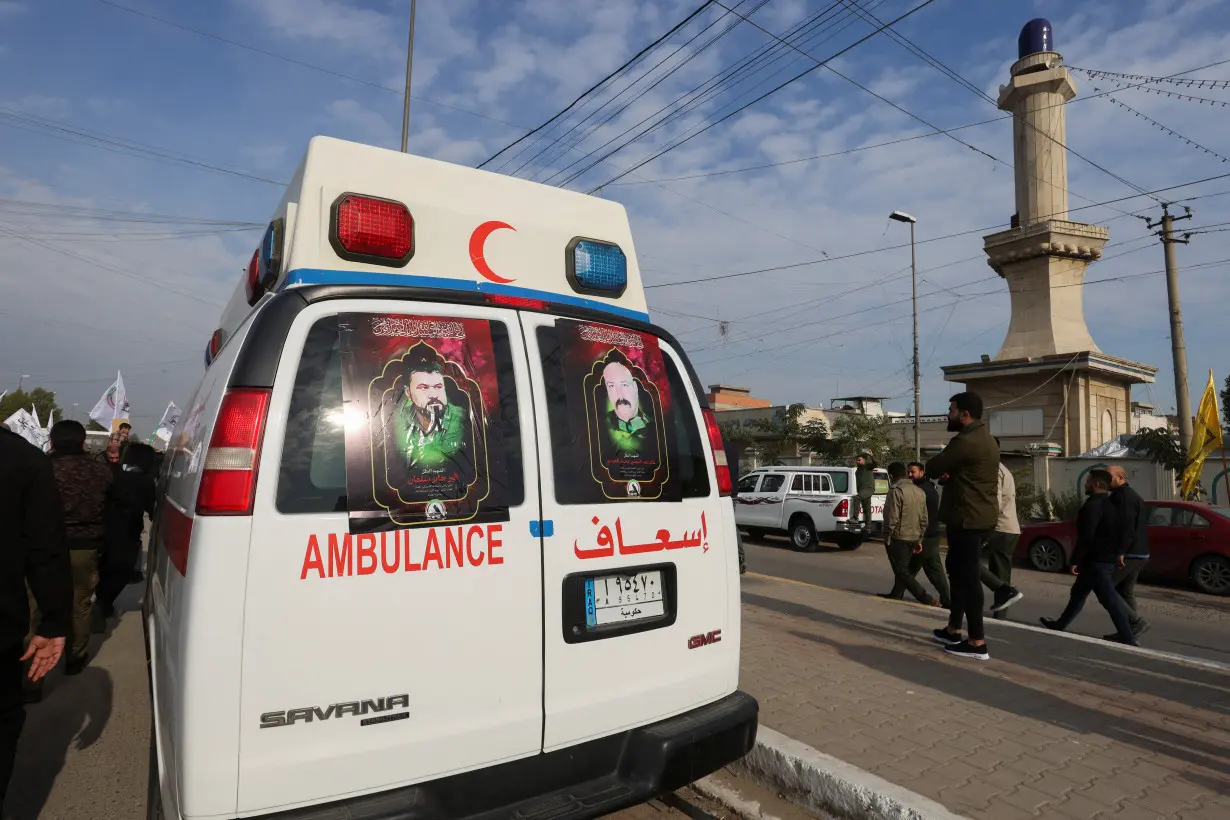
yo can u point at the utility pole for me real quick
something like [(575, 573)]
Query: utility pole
[(899, 216), (1178, 349), (405, 113)]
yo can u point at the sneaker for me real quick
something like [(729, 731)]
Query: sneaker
[(1006, 597), (1140, 627), (76, 665), (965, 649), (943, 636), (1051, 623)]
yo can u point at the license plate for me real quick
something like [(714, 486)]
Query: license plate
[(620, 599)]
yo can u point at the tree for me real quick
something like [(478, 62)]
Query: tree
[(1160, 446), (855, 434), (44, 401)]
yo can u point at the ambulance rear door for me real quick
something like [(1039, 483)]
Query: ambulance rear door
[(639, 549), (376, 655)]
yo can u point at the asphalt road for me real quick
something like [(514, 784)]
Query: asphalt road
[(1183, 621)]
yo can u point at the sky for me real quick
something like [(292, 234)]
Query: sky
[(140, 156)]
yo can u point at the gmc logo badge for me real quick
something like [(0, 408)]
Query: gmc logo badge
[(697, 641)]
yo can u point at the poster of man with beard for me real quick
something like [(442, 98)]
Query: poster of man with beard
[(420, 400), (620, 397)]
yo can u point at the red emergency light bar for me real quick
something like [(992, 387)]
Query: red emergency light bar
[(372, 230)]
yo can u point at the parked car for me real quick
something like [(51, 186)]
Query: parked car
[(1187, 542), (809, 504)]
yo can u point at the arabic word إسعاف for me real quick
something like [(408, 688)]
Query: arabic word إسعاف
[(612, 541)]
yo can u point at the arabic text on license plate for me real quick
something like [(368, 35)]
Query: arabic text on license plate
[(617, 599)]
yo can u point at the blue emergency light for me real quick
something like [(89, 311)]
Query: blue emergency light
[(596, 267)]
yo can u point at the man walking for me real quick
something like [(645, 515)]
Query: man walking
[(1134, 534), (32, 552), (998, 550), (1097, 554), (905, 521), (864, 488), (84, 485), (928, 558), (969, 470)]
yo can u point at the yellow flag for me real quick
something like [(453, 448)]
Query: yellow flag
[(1206, 437)]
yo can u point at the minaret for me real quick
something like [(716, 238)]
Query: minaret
[(1043, 256), (1048, 380)]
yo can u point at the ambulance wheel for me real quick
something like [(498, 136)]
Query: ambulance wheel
[(153, 798), (803, 534)]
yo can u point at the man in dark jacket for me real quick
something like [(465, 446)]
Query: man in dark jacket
[(1134, 532), (33, 553), (927, 559), (864, 489), (132, 498), (84, 485), (969, 470), (1097, 553)]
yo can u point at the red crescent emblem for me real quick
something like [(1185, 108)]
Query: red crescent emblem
[(478, 241)]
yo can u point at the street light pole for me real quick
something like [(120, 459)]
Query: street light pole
[(405, 113), (21, 380), (899, 216)]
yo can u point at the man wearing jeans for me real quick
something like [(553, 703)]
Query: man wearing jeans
[(969, 470), (905, 521), (1097, 555)]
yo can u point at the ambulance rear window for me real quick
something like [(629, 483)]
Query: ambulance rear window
[(312, 477), (623, 424)]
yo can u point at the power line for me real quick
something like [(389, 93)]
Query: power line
[(920, 242), (870, 146), (80, 212), (772, 91), (303, 64), (56, 129), (1144, 79), (743, 70), (918, 51), (632, 61)]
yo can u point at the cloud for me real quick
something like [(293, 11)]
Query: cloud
[(12, 8), (40, 105), (330, 21)]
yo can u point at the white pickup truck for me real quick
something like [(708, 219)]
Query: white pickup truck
[(810, 504)]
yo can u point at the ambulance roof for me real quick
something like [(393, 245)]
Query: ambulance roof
[(472, 231)]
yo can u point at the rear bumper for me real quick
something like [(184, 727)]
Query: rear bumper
[(876, 528), (587, 780)]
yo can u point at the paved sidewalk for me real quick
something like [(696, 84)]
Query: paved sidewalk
[(1051, 727)]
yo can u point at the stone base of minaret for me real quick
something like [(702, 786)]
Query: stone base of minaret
[(1079, 400)]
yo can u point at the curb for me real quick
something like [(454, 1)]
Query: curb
[(824, 784)]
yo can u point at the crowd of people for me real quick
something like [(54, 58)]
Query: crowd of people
[(70, 536), (978, 510)]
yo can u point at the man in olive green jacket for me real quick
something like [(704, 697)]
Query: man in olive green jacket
[(968, 468), (905, 522)]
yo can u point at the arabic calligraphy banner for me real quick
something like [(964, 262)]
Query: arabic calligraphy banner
[(421, 411), (619, 396)]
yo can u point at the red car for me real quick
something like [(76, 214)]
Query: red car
[(1187, 542)]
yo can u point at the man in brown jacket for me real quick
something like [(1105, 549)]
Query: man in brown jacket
[(969, 470), (905, 522)]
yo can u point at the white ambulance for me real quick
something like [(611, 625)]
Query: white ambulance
[(446, 530)]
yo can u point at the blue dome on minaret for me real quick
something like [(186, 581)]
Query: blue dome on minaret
[(1036, 36)]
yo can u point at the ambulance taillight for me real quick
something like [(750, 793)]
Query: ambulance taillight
[(228, 478), (372, 230), (720, 468)]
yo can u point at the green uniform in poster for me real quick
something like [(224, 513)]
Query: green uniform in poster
[(634, 436), (431, 447)]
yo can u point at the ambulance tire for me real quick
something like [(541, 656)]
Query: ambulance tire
[(803, 534), (153, 798)]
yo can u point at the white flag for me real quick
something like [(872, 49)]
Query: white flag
[(51, 420), (170, 420), (113, 404), (34, 415), (23, 424)]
